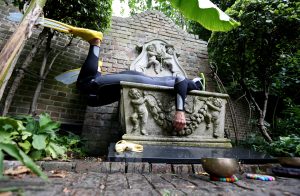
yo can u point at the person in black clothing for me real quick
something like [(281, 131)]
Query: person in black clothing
[(105, 89)]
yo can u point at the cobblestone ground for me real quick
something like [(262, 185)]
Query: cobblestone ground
[(92, 179)]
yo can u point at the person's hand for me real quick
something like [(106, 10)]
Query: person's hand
[(179, 120)]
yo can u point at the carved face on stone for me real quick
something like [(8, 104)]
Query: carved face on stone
[(134, 93), (151, 48), (170, 50)]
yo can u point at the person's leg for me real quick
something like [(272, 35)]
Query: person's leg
[(89, 69)]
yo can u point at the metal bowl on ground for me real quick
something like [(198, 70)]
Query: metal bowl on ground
[(289, 161), (220, 167)]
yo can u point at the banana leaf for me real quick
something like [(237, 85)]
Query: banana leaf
[(206, 13)]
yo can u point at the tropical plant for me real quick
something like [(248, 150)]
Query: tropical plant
[(201, 11), (260, 58)]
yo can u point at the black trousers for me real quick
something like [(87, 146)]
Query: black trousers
[(105, 89)]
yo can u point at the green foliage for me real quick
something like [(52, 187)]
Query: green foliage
[(73, 145), (11, 133), (38, 139), (206, 13), (286, 146), (262, 55), (289, 123), (92, 14), (261, 48), (183, 11), (255, 142), (25, 138), (15, 152)]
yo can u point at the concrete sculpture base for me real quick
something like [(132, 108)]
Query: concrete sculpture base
[(147, 111)]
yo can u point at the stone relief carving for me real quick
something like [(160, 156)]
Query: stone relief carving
[(201, 110), (158, 58), (153, 55), (140, 113), (209, 112)]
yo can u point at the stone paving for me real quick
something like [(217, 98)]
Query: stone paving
[(111, 178)]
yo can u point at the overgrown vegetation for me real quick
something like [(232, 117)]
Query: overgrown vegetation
[(261, 59), (26, 138), (288, 146)]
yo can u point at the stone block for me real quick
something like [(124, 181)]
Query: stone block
[(58, 165), (205, 114), (140, 167), (182, 169), (160, 168)]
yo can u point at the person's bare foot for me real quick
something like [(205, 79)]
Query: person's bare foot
[(179, 121)]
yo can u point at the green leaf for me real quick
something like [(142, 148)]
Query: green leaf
[(36, 154), (55, 150), (50, 127), (26, 146), (39, 141), (5, 137), (12, 123), (206, 13), (44, 119), (1, 163), (26, 134), (31, 165), (11, 150)]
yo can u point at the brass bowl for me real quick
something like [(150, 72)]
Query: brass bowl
[(220, 167), (289, 161)]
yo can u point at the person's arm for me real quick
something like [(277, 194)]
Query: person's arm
[(182, 86)]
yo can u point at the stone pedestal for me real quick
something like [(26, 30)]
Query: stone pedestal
[(147, 112)]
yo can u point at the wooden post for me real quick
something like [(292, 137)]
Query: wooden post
[(15, 44)]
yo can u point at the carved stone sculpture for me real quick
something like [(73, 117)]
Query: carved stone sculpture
[(139, 116), (158, 58), (147, 111)]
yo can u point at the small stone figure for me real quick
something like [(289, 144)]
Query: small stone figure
[(140, 114), (211, 116), (152, 61), (167, 58)]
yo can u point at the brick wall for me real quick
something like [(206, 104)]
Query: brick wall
[(100, 124), (61, 101)]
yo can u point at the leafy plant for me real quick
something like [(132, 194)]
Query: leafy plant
[(286, 147), (256, 143), (25, 138), (73, 145), (260, 58), (9, 129), (289, 122), (39, 138)]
